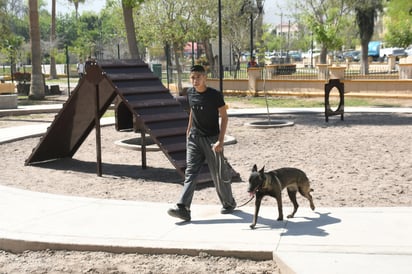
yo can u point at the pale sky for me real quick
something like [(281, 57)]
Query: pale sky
[(273, 8), (64, 6), (273, 11)]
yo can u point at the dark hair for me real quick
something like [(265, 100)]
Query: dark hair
[(197, 68)]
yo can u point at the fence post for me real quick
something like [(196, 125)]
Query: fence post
[(337, 72), (405, 71), (323, 73), (254, 74), (391, 63)]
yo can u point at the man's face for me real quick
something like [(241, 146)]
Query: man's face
[(198, 79)]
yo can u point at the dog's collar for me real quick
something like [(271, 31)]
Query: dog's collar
[(264, 183)]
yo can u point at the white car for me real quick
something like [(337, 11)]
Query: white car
[(309, 54), (408, 50), (386, 52)]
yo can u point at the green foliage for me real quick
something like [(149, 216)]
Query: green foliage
[(171, 22), (326, 20), (10, 46), (66, 29), (399, 23), (44, 21), (236, 26)]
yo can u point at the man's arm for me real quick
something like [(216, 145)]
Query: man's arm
[(223, 126), (189, 124)]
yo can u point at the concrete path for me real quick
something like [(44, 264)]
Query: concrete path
[(329, 240)]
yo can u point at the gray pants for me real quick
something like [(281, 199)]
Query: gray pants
[(199, 149)]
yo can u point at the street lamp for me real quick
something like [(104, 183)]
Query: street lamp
[(220, 46), (249, 7), (311, 49)]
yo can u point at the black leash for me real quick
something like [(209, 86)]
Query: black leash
[(246, 202), (219, 157)]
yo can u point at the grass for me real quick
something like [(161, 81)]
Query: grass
[(294, 102)]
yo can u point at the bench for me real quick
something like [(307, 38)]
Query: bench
[(8, 96)]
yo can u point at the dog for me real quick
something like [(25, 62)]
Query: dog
[(271, 183)]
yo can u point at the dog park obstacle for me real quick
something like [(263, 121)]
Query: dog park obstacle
[(340, 110), (142, 105)]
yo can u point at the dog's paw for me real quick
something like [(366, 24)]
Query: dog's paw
[(281, 218), (252, 226), (290, 216)]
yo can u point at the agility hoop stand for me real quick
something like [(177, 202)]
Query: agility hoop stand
[(334, 83)]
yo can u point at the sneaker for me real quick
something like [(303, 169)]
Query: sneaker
[(228, 209), (180, 212)]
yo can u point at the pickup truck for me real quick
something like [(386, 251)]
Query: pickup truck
[(378, 52), (397, 52)]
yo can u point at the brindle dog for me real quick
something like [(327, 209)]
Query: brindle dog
[(271, 183)]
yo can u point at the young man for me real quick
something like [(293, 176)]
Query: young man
[(205, 140), (252, 63)]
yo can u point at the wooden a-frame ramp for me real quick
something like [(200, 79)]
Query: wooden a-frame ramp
[(142, 104)]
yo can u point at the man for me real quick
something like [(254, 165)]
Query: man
[(80, 68), (252, 63), (205, 140)]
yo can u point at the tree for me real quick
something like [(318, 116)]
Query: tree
[(324, 19), (4, 30), (170, 24), (53, 72), (399, 23), (76, 5), (127, 7), (13, 27), (203, 27), (37, 80), (236, 28), (366, 13)]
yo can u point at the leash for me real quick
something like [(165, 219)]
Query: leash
[(219, 159), (246, 202), (276, 178)]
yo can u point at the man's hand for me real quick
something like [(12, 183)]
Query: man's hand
[(218, 146)]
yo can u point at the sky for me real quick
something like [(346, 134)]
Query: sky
[(273, 8), (64, 6)]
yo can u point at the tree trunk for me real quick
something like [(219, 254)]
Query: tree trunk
[(53, 72), (364, 68), (178, 68), (210, 58), (37, 80), (323, 55), (130, 30)]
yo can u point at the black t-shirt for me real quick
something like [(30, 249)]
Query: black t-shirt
[(205, 111)]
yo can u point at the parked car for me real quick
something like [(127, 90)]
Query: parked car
[(397, 52), (408, 50), (277, 58), (295, 55), (379, 52), (352, 55), (309, 54)]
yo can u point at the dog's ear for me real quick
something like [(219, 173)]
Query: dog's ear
[(254, 169), (262, 173)]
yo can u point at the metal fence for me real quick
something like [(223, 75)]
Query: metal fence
[(377, 71)]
